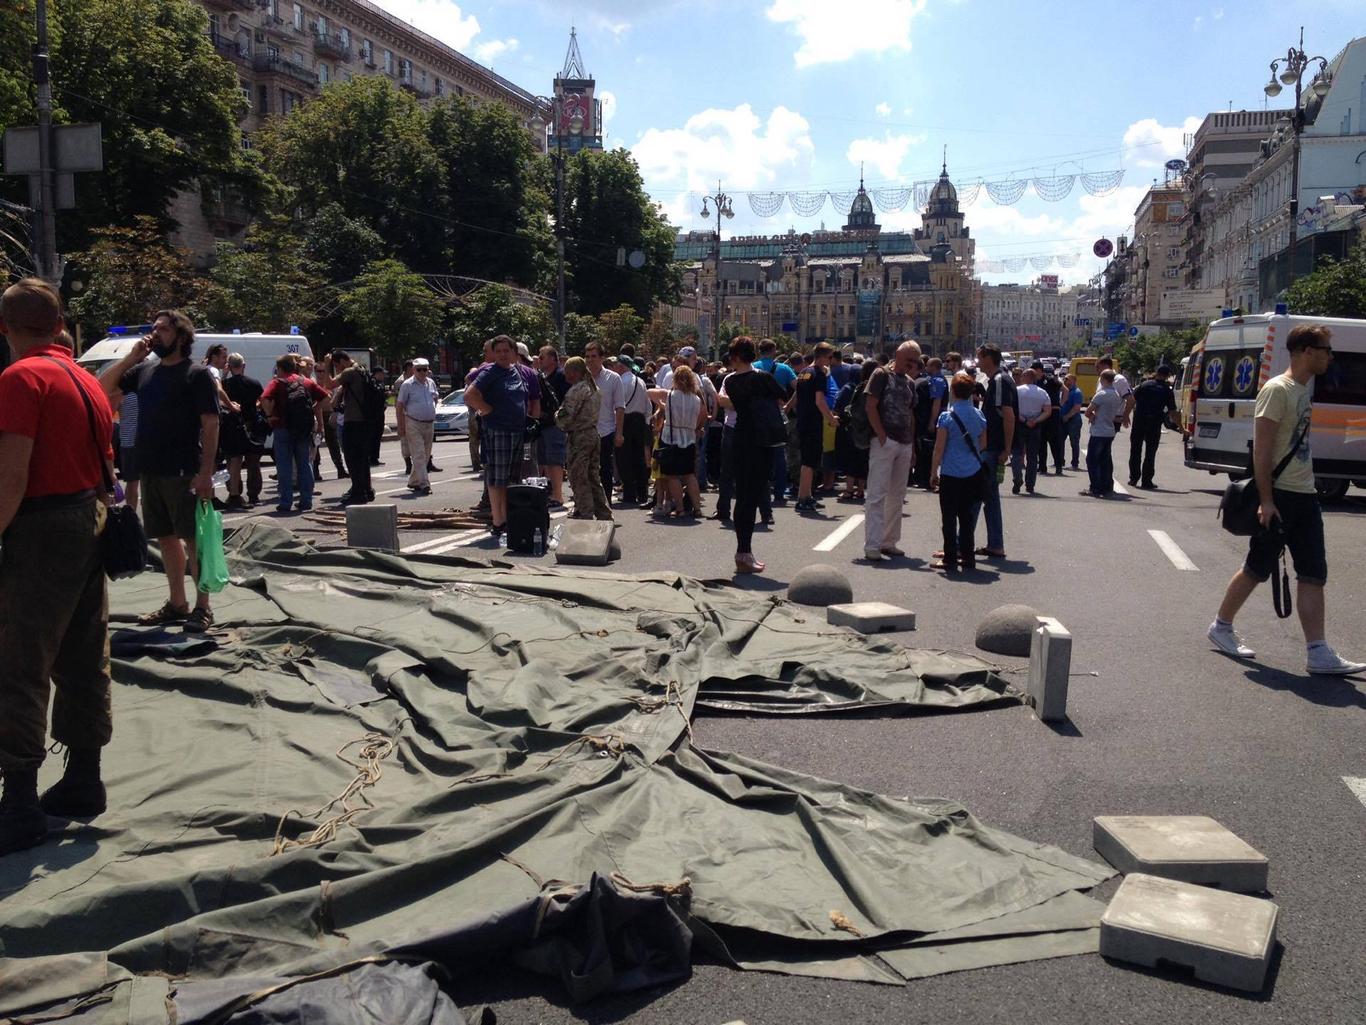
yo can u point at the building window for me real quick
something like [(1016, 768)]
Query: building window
[(214, 31), (422, 78), (262, 99), (405, 70), (299, 58), (246, 141), (388, 62), (320, 26), (440, 86), (367, 52), (324, 74), (299, 17), (344, 37)]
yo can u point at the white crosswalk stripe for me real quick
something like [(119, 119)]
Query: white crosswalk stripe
[(1173, 551), (837, 535)]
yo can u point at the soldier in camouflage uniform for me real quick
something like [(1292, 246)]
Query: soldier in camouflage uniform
[(578, 418)]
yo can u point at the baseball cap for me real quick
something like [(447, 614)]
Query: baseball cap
[(523, 351), (420, 364)]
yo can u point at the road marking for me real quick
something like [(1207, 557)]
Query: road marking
[(1120, 489), (462, 540), (840, 533), (1173, 551), (423, 546), (1357, 785)]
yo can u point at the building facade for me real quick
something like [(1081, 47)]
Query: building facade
[(859, 286), (285, 52), (1036, 316)]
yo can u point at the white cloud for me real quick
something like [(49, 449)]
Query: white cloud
[(487, 53), (608, 99), (1199, 20), (885, 155), (833, 32), (1218, 13), (883, 109), (735, 146), (440, 18), (1151, 144)]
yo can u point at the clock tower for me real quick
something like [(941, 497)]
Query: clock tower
[(577, 121)]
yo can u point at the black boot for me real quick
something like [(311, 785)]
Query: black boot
[(22, 821), (408, 467), (79, 794)]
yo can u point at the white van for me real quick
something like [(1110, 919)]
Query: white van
[(260, 351), (1238, 356)]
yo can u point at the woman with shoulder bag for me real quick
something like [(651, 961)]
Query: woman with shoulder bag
[(756, 397), (685, 417), (957, 472)]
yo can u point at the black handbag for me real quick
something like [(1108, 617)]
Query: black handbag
[(984, 473), (1238, 508), (124, 544)]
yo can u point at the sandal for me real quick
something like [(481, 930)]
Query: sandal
[(199, 620), (748, 564), (168, 613)]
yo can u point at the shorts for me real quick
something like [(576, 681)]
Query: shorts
[(168, 507), (502, 456), (128, 464), (811, 444), (1301, 521), (552, 447)]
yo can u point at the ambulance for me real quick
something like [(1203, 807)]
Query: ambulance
[(1227, 370)]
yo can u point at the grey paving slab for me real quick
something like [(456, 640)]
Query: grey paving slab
[(372, 526), (585, 543), (1050, 668), (1191, 848), (871, 617), (1225, 938)]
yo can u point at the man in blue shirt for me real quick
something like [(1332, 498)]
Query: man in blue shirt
[(1070, 413), (787, 377)]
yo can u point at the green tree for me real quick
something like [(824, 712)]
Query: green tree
[(620, 326), (496, 210), (579, 330), (167, 103), (363, 147), (393, 310), (128, 274), (340, 246), (494, 310), (1335, 289), (609, 210), (266, 283), (659, 338)]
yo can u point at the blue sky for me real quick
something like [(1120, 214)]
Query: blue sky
[(790, 95)]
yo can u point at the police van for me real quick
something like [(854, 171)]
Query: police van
[(260, 351), (1227, 370)]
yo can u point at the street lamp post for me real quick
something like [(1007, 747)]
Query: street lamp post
[(723, 209), (1293, 66)]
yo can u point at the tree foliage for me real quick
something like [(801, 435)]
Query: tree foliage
[(494, 310), (266, 284), (393, 310), (619, 326), (1335, 289), (495, 218), (1146, 353), (608, 210), (130, 273)]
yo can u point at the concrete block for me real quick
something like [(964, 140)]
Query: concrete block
[(585, 543), (1050, 665), (372, 526), (821, 585), (1191, 848), (871, 617), (1226, 938), (1008, 630)]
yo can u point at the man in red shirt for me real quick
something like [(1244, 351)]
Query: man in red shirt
[(54, 618), (296, 406)]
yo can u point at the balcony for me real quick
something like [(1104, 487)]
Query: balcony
[(274, 26), (268, 65), (231, 49), (409, 86), (331, 45), (226, 215)]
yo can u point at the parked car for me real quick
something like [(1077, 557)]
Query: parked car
[(452, 415)]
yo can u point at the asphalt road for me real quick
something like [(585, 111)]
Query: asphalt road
[(1160, 724)]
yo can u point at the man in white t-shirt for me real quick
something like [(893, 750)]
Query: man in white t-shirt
[(1035, 408), (1123, 389), (416, 409), (633, 458), (612, 413)]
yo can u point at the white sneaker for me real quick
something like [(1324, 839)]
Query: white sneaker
[(873, 554), (1327, 662), (1227, 640)]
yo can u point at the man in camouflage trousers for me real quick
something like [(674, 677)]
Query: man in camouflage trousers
[(578, 418)]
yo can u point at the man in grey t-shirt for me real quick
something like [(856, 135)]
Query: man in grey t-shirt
[(1104, 412)]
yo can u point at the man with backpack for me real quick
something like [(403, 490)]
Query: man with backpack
[(358, 414), (296, 405), (890, 405)]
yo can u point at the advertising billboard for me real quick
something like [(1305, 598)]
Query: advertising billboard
[(1199, 304)]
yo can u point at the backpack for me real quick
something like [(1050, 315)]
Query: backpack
[(297, 415), (373, 400), (860, 427)]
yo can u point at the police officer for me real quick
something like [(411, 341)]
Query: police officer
[(1153, 401)]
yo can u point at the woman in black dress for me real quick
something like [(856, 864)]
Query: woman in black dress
[(745, 389)]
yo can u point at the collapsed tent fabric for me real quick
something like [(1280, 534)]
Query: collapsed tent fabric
[(435, 760)]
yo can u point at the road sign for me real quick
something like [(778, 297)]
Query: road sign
[(1114, 330), (1103, 247), (1133, 331), (789, 326)]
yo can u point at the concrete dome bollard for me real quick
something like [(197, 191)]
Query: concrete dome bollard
[(1008, 630), (821, 585)]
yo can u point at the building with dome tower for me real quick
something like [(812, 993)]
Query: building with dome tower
[(859, 286)]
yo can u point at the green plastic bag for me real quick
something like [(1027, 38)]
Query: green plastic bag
[(208, 545)]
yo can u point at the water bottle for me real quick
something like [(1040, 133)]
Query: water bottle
[(1000, 473), (555, 536), (118, 492), (537, 543), (503, 540), (219, 479)]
